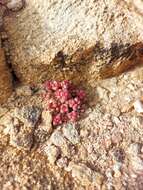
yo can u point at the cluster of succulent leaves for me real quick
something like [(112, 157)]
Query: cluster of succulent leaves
[(65, 101)]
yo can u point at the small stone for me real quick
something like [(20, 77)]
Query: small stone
[(40, 136), (103, 93), (135, 161), (138, 106), (7, 121), (107, 142), (46, 124), (58, 140), (116, 169), (84, 132), (52, 152), (136, 164), (28, 114), (85, 175), (119, 155), (21, 137), (116, 137), (62, 162), (137, 121), (15, 5), (23, 91), (70, 132), (134, 149)]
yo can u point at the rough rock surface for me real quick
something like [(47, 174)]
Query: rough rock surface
[(85, 175), (82, 41)]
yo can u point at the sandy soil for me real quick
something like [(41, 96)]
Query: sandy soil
[(101, 151)]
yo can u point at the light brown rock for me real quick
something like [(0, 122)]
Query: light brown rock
[(85, 175), (46, 123), (59, 39), (52, 153)]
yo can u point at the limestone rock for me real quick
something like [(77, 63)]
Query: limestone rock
[(62, 162), (46, 124), (71, 133), (85, 175), (80, 41), (28, 114), (21, 136), (15, 5), (52, 153), (5, 79), (23, 91), (136, 162), (58, 140)]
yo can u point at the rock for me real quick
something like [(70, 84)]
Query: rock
[(58, 140), (15, 5), (28, 114), (5, 79), (116, 169), (119, 155), (7, 122), (22, 139), (96, 39), (23, 91), (102, 93), (138, 4), (138, 106), (52, 153), (71, 133), (116, 137), (46, 123), (62, 162), (21, 136), (134, 149), (85, 175), (136, 163)]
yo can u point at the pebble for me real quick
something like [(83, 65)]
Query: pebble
[(24, 91), (85, 175), (7, 122), (28, 114), (134, 149), (103, 93), (58, 140), (15, 5), (71, 133), (21, 137), (138, 106), (52, 153), (116, 169), (135, 161), (119, 155), (116, 137), (62, 162), (46, 123)]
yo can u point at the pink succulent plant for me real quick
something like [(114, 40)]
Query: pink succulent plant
[(64, 101)]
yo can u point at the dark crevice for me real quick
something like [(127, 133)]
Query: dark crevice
[(5, 45)]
